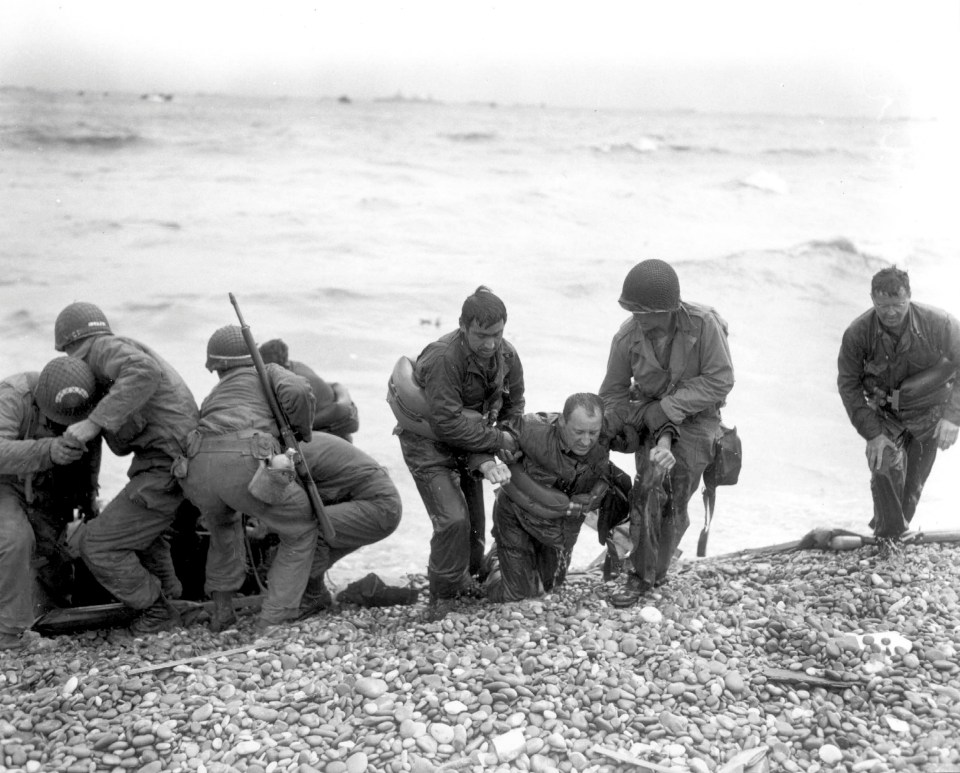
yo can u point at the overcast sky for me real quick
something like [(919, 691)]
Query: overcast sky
[(871, 58)]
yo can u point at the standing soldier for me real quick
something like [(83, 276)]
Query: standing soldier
[(44, 476), (668, 373), (147, 410), (473, 382), (898, 381), (231, 464)]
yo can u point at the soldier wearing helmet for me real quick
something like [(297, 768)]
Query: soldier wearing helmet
[(146, 410), (44, 476), (668, 373), (232, 452)]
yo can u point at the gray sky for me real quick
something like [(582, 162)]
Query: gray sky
[(870, 57)]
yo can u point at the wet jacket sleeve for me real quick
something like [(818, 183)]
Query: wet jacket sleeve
[(19, 457), (133, 374), (295, 398), (714, 380), (615, 389), (442, 386), (854, 351)]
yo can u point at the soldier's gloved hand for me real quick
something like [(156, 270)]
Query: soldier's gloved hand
[(946, 434), (64, 450), (495, 473), (875, 450)]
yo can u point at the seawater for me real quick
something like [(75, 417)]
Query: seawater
[(354, 231)]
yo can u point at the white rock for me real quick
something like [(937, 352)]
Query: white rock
[(70, 686), (896, 724), (454, 707), (651, 615), (247, 747), (510, 745), (830, 754)]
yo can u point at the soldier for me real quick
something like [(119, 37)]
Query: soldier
[(335, 413), (232, 452), (473, 382), (668, 374), (897, 378), (147, 410), (536, 521), (44, 476)]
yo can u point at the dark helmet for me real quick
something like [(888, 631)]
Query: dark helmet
[(76, 321), (66, 391), (651, 285), (226, 349), (275, 350)]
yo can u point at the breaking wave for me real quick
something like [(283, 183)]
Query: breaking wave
[(81, 136)]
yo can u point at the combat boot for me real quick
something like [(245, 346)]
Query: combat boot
[(161, 615), (223, 615)]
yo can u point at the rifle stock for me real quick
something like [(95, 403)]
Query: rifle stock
[(286, 431)]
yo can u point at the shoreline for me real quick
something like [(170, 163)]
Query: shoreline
[(755, 655)]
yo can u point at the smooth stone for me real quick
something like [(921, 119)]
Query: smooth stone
[(830, 754), (370, 687), (651, 615)]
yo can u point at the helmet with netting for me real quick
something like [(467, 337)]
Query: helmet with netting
[(651, 285), (226, 349), (78, 320), (66, 391)]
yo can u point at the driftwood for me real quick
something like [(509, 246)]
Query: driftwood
[(625, 757), (257, 645), (801, 677)]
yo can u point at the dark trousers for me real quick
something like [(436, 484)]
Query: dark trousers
[(453, 497), (896, 489), (127, 548), (533, 553), (658, 501)]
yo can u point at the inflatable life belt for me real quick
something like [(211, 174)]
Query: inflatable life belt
[(544, 501), (409, 402), (926, 389)]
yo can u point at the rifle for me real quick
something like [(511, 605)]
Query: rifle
[(286, 431)]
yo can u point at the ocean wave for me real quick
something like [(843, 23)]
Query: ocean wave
[(814, 153), (80, 136), (471, 136), (643, 145), (769, 182)]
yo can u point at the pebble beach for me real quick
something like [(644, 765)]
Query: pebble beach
[(798, 660)]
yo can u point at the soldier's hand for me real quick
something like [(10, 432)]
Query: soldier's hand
[(64, 450), (83, 431), (946, 434), (663, 458), (495, 473), (875, 450)]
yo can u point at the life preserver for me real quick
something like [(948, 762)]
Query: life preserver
[(926, 389), (409, 402)]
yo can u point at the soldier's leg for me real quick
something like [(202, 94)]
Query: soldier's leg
[(921, 454), (472, 489), (517, 576), (887, 488), (16, 574), (130, 524)]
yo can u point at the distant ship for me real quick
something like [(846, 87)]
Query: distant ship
[(399, 97), (157, 97)]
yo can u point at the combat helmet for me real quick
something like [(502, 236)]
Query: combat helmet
[(66, 391), (651, 285), (76, 321), (226, 349)]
